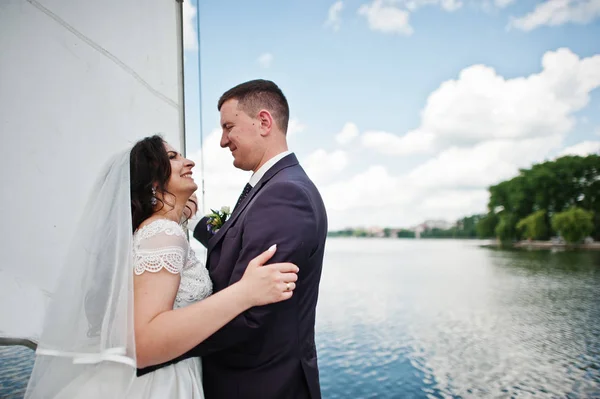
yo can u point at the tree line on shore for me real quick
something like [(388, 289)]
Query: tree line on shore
[(553, 198), (550, 199)]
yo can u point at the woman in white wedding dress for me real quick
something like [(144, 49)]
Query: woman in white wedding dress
[(128, 301)]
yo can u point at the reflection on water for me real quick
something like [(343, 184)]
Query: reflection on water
[(428, 318)]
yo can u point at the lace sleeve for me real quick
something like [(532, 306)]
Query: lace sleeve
[(160, 246)]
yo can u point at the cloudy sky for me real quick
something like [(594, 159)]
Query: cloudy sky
[(402, 110)]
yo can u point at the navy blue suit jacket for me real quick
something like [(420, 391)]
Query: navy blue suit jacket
[(267, 352)]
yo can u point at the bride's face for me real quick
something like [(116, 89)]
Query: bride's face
[(181, 181)]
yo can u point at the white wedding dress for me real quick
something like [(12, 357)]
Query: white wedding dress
[(160, 244)]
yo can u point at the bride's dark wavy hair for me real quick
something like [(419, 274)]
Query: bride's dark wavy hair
[(149, 166)]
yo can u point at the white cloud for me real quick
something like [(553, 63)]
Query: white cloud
[(295, 126), (558, 12), (375, 187), (582, 149), (377, 198), (481, 105), (451, 5), (190, 39), (386, 18), (413, 142), (452, 204), (447, 5), (483, 164), (348, 133), (333, 16), (450, 186), (321, 165), (265, 60), (393, 16)]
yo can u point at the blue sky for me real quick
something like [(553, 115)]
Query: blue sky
[(437, 99)]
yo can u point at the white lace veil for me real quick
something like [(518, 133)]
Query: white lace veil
[(88, 328)]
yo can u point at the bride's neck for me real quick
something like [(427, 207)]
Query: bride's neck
[(170, 212)]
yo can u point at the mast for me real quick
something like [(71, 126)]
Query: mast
[(181, 75)]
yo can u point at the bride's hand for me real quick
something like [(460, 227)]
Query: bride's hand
[(270, 283)]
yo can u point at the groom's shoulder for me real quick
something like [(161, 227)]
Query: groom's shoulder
[(292, 178), (294, 182), (290, 174)]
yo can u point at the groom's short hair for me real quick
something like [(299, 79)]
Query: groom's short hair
[(258, 94)]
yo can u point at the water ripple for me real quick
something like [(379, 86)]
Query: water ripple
[(446, 319)]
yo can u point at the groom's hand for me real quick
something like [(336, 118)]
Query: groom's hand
[(191, 207)]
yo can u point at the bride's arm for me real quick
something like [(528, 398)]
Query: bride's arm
[(163, 333)]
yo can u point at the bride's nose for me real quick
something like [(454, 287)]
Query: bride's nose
[(190, 163)]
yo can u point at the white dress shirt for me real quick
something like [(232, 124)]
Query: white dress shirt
[(268, 165)]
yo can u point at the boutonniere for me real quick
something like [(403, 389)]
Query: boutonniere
[(216, 219)]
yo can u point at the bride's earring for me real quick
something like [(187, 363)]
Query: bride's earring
[(153, 200)]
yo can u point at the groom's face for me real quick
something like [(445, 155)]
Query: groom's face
[(241, 135)]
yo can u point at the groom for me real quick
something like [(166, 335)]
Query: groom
[(267, 352)]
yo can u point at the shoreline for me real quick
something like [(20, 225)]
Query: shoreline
[(491, 243), (595, 246)]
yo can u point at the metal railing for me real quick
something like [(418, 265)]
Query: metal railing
[(18, 341)]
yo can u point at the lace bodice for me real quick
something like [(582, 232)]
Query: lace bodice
[(163, 244)]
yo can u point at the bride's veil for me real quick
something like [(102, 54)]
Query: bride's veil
[(88, 328)]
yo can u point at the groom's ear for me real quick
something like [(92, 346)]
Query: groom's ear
[(266, 122)]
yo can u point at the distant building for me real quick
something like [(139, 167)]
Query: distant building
[(438, 224), (430, 225), (375, 231)]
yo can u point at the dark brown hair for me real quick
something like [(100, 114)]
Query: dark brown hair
[(255, 95), (149, 166)]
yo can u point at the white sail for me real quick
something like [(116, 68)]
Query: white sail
[(79, 80)]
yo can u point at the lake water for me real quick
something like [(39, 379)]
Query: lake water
[(447, 318)]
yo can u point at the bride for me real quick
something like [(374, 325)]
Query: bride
[(127, 301)]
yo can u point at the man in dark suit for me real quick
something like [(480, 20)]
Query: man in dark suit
[(267, 352)]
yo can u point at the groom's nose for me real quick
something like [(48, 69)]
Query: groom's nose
[(224, 140)]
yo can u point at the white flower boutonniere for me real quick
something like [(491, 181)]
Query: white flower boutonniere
[(216, 219)]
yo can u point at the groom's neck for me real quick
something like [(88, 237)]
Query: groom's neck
[(270, 153)]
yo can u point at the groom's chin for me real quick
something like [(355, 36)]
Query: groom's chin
[(240, 165)]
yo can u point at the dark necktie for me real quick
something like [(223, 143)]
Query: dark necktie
[(243, 195)]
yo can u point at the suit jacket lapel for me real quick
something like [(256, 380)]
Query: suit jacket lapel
[(285, 162)]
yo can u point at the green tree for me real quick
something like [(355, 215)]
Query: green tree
[(486, 226), (552, 186), (405, 234), (467, 227), (573, 224), (360, 233), (534, 226), (506, 228)]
